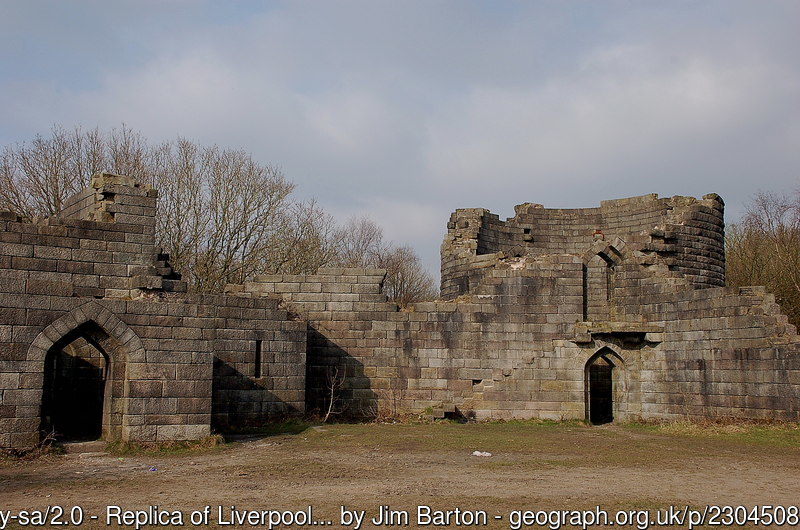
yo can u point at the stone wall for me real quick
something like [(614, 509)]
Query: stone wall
[(176, 363), (69, 256), (259, 363), (491, 355), (688, 233), (725, 352), (541, 299), (519, 349), (609, 313)]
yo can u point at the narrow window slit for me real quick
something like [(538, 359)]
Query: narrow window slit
[(257, 370)]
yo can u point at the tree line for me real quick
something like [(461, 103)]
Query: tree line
[(764, 249), (222, 216)]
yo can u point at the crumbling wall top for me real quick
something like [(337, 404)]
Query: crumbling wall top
[(109, 195), (687, 232)]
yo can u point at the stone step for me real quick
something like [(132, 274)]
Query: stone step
[(93, 446)]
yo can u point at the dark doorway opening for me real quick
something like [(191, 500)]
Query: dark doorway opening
[(75, 374), (601, 387)]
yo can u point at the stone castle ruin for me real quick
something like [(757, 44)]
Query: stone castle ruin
[(611, 313)]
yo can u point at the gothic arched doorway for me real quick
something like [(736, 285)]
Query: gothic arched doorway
[(78, 375), (599, 374)]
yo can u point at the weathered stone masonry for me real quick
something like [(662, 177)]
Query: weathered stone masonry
[(548, 301), (175, 364), (610, 313)]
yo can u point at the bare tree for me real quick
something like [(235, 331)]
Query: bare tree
[(219, 213), (128, 153), (308, 238), (406, 279), (244, 202), (334, 381), (764, 249), (182, 220), (37, 177), (222, 216), (362, 243)]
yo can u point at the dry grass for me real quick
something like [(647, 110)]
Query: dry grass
[(783, 434), (46, 447), (165, 448)]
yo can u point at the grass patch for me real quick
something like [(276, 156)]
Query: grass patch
[(778, 434), (209, 443), (509, 436), (289, 426), (553, 444), (648, 427)]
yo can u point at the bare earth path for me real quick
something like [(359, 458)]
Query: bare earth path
[(532, 467)]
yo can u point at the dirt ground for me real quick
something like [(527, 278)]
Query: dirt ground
[(363, 467)]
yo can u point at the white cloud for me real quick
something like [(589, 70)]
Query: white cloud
[(408, 111), (623, 110)]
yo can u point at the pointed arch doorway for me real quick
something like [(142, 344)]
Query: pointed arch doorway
[(599, 378), (85, 384), (76, 373)]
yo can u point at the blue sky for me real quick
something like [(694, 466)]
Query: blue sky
[(404, 111)]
